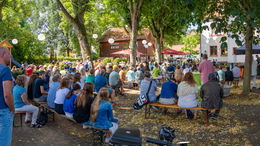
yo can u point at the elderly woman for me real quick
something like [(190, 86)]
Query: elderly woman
[(21, 103), (145, 83), (211, 94)]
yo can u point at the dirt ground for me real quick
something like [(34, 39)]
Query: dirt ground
[(238, 124)]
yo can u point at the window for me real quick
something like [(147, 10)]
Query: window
[(213, 51), (234, 48), (223, 52)]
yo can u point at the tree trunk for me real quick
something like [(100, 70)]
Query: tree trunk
[(135, 8), (78, 25), (158, 46), (68, 51), (82, 36), (157, 50), (248, 60), (133, 46), (1, 13)]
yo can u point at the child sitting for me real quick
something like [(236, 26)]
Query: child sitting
[(102, 113), (68, 105)]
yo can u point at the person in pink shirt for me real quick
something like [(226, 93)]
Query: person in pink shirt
[(205, 68)]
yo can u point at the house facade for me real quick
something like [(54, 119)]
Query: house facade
[(121, 42), (210, 45)]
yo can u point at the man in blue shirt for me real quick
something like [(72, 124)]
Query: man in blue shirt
[(39, 94), (6, 98)]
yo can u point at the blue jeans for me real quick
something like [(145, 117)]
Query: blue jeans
[(6, 127)]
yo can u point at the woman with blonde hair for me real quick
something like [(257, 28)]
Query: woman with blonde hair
[(61, 93), (102, 113), (83, 104), (187, 92)]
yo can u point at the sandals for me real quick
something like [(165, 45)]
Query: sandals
[(36, 126)]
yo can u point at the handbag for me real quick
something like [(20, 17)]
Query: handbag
[(143, 100)]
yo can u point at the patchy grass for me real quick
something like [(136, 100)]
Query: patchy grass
[(228, 129)]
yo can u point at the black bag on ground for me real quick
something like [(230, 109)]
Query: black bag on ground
[(42, 118), (126, 137), (167, 134)]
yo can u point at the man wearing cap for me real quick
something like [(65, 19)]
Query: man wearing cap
[(6, 98)]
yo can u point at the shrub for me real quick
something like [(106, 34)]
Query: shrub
[(106, 60), (116, 61)]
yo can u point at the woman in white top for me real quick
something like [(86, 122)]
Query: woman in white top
[(61, 93), (187, 92)]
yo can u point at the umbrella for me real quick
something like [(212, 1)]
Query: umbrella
[(241, 50), (173, 52), (125, 52)]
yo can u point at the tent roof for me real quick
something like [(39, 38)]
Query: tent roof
[(241, 50)]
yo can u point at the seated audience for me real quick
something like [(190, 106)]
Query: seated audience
[(63, 90), (178, 74), (68, 106), (52, 91), (131, 77), (39, 94), (102, 113), (221, 74), (21, 103), (83, 77), (229, 76), (169, 92), (83, 104), (30, 86), (187, 93), (77, 79), (145, 86), (236, 75), (114, 81), (100, 81), (212, 94), (91, 77), (139, 76)]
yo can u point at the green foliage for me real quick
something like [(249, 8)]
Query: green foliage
[(235, 16), (116, 61), (190, 42), (106, 60)]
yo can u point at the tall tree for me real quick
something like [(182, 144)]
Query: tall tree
[(79, 9), (130, 11), (166, 18), (237, 18), (190, 42)]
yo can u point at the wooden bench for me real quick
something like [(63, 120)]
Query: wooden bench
[(21, 118), (149, 105)]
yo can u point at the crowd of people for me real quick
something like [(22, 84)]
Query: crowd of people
[(86, 93)]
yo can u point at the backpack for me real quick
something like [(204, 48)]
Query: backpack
[(143, 99), (42, 118), (167, 134)]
